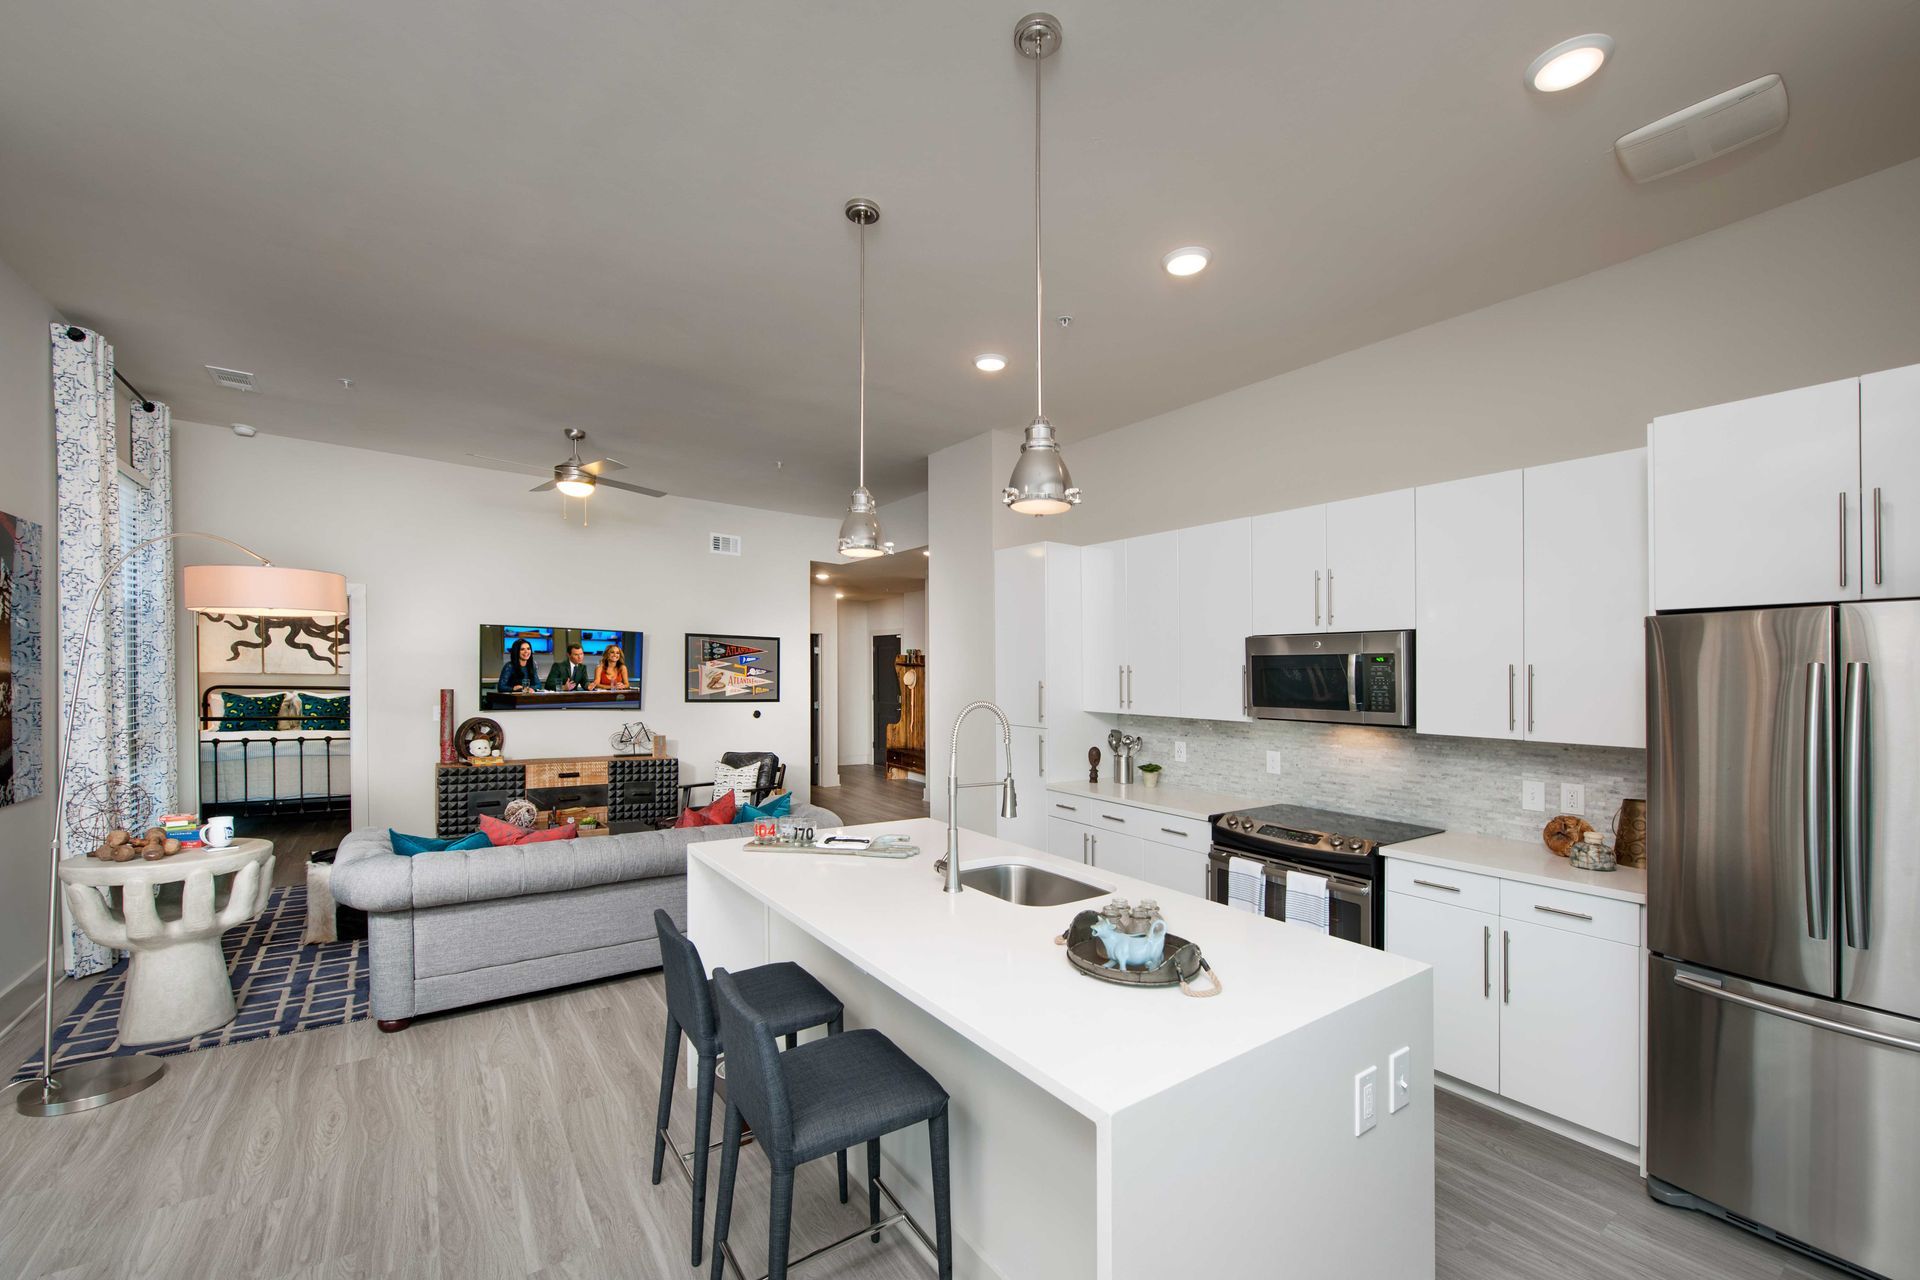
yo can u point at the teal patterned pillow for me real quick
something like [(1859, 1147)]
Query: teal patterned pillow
[(324, 713), (243, 713)]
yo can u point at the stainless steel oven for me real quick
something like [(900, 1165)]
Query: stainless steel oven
[(1350, 903), (1347, 677)]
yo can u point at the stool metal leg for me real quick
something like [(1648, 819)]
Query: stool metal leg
[(702, 1141), (668, 1069), (779, 1223), (723, 1211), (840, 1157), (942, 1207), (873, 1186)]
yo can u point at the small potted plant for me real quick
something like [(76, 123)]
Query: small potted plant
[(1150, 774)]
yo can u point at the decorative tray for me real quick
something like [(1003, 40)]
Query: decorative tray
[(1181, 968), (895, 851)]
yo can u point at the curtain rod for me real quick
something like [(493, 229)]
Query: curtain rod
[(146, 405)]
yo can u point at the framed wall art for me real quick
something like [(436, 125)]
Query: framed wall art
[(732, 668)]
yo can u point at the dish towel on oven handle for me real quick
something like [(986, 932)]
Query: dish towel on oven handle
[(1247, 885), (1307, 900)]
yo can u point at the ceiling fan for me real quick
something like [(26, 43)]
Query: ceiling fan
[(574, 478)]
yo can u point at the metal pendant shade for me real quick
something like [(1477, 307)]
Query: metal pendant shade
[(860, 537), (1041, 485)]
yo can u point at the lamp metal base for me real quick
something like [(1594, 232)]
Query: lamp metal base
[(88, 1085)]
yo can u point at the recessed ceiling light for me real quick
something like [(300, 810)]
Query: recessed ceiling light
[(989, 363), (927, 553), (839, 595), (1188, 261), (1569, 62), (821, 577), (244, 431)]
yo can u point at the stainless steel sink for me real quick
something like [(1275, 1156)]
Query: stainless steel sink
[(1028, 886)]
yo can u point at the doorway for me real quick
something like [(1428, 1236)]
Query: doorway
[(813, 713), (886, 694)]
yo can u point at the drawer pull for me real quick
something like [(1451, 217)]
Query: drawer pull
[(1110, 818), (1069, 808), (1571, 915), (1435, 884), (1173, 831), (1486, 962)]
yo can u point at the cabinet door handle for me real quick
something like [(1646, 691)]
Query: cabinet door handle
[(1512, 717), (1486, 962), (1129, 687), (1110, 818), (1173, 832), (1043, 755), (1843, 539), (1120, 675), (1246, 691), (1069, 808), (1876, 536), (1506, 967), (1093, 850), (1316, 597), (1435, 884), (1040, 700), (1571, 915), (1083, 848), (1529, 697), (1329, 598)]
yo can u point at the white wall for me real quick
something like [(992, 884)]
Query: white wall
[(1822, 288), (913, 621), (403, 527), (826, 625), (26, 490), (856, 685)]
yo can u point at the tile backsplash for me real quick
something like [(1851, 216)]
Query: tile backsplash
[(1462, 784)]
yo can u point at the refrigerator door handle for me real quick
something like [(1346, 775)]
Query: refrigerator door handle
[(1718, 992), (1853, 794), (1816, 870)]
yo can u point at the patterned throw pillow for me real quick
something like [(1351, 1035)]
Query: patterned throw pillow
[(245, 713), (325, 713), (740, 779)]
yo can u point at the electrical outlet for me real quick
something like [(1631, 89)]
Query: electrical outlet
[(1573, 797), (1179, 752), (1273, 762), (1533, 795), (1399, 1080), (1364, 1113)]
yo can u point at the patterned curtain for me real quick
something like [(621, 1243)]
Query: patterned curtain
[(120, 757)]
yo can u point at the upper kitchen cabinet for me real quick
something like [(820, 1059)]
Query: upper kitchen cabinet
[(1586, 601), (1150, 625), (1370, 563), (1890, 481), (1345, 566), (1103, 584), (1469, 642), (1215, 617), (1037, 618), (1758, 502)]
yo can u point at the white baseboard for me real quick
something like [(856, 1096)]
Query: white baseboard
[(1553, 1124)]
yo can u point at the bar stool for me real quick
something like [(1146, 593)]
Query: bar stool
[(823, 1096), (792, 1000)]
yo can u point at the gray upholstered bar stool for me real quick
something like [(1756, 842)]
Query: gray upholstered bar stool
[(793, 1001), (823, 1096)]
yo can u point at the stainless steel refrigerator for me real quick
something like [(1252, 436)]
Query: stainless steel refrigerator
[(1783, 855)]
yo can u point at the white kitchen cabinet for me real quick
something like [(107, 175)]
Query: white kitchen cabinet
[(1215, 616), (1758, 502), (1890, 482), (1150, 625), (1585, 601), (1176, 866), (1470, 636), (1289, 571), (1103, 588), (1569, 1026), (1119, 852), (1462, 945), (1068, 839), (1370, 563), (1037, 619), (1027, 827)]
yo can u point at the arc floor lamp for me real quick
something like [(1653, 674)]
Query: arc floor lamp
[(263, 588)]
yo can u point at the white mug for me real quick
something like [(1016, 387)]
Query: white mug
[(218, 833)]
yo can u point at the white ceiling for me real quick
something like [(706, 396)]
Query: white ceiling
[(500, 219), (876, 578)]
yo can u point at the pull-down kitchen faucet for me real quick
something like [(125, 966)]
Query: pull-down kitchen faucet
[(1009, 802)]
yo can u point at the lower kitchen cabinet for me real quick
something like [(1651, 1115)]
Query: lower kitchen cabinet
[(1146, 844), (1068, 839), (1463, 947)]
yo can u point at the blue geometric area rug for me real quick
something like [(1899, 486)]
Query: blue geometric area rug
[(280, 985)]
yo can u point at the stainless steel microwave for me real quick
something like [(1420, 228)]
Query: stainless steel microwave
[(1346, 677)]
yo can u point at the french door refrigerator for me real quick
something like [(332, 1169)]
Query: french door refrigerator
[(1783, 856)]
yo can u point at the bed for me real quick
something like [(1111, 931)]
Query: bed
[(290, 763)]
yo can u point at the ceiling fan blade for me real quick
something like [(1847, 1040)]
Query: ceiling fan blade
[(631, 488), (541, 488), (603, 466), (534, 467)]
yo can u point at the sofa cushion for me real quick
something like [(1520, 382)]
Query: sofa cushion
[(780, 806), (408, 846), (718, 814), (502, 834)]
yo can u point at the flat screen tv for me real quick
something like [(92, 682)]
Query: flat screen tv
[(528, 668)]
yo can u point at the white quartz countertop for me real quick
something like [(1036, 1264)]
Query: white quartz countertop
[(991, 970), (1525, 860), (1182, 802)]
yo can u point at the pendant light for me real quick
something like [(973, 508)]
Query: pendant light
[(860, 531), (1040, 485)]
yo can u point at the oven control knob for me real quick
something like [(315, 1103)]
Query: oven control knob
[(1339, 842)]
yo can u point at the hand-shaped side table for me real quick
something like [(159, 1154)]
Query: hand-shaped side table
[(170, 915)]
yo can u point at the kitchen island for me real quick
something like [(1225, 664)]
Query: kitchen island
[(1102, 1131)]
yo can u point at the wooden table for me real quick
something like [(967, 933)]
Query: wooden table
[(169, 914)]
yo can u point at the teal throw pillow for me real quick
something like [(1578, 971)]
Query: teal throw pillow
[(245, 713), (781, 806), (406, 846), (329, 714)]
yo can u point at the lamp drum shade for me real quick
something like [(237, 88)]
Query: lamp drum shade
[(263, 589)]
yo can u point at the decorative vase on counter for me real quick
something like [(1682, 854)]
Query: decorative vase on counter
[(1590, 853), (1630, 833)]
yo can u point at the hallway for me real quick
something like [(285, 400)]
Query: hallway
[(866, 794)]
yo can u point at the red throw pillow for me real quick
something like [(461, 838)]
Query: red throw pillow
[(718, 814), (505, 834)]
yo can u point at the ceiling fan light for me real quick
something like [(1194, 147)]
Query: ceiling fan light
[(574, 488), (860, 532), (1040, 485)]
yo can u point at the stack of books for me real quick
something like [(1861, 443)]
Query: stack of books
[(184, 827)]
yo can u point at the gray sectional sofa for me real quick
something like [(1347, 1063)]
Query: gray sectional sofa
[(452, 929)]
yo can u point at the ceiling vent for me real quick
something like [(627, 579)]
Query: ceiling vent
[(1704, 130), (231, 379), (724, 544)]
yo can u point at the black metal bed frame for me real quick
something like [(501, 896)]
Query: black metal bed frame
[(212, 804)]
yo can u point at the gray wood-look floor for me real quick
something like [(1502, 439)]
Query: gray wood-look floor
[(866, 794), (513, 1140)]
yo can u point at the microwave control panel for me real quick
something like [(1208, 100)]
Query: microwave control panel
[(1379, 682)]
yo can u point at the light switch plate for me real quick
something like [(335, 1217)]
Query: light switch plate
[(1533, 795), (1179, 752), (1365, 1113), (1273, 762), (1399, 1079), (1573, 797)]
